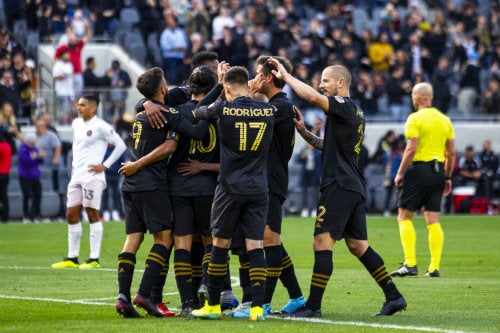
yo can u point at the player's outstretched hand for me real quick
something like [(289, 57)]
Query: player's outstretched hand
[(299, 120), (97, 168), (128, 168), (280, 71), (153, 111), (222, 68)]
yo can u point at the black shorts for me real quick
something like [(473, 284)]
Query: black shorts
[(191, 215), (229, 210), (422, 187), (238, 241), (275, 212), (147, 211), (342, 213)]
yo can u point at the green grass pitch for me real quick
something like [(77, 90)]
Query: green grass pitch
[(36, 298)]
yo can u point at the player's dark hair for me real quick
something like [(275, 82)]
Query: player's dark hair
[(236, 75), (89, 60), (149, 82), (267, 68), (91, 98), (201, 58), (202, 80)]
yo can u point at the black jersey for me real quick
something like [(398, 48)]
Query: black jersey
[(281, 145), (205, 150), (146, 139), (245, 134), (178, 96), (344, 133)]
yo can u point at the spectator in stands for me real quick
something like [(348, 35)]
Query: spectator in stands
[(381, 53), (469, 169), (93, 84), (309, 55), (49, 145), (221, 21), (29, 178), (394, 158), (63, 76), (198, 20), (281, 36), (120, 83), (441, 83), (10, 90), (398, 91), (106, 13), (310, 160), (58, 16), (8, 126), (366, 93), (78, 24), (173, 44), (7, 43), (23, 75), (151, 17), (5, 164), (490, 101), (489, 162), (111, 204), (231, 50), (75, 46), (469, 84), (386, 142)]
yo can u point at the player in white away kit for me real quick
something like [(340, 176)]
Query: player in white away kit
[(91, 137)]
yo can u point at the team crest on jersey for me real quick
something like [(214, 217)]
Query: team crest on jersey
[(339, 99), (173, 110), (89, 133)]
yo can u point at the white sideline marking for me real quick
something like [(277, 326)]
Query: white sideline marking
[(309, 320), (374, 325)]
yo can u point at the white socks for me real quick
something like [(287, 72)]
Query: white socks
[(96, 231), (74, 236)]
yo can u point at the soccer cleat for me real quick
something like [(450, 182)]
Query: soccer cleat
[(256, 313), (240, 308), (185, 312), (66, 263), (293, 304), (147, 305), (228, 300), (405, 271), (126, 309), (202, 293), (90, 264), (392, 306), (207, 312), (434, 273), (162, 307), (303, 312)]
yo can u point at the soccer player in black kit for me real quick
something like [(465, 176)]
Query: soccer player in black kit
[(146, 197), (245, 133), (279, 264), (341, 208)]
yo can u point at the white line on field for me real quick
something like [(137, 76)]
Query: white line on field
[(309, 320)]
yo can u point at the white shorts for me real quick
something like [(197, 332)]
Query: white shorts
[(87, 195)]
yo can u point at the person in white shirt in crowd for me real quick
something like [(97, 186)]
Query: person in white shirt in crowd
[(91, 136), (62, 73)]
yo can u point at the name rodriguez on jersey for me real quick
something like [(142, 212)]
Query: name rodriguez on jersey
[(237, 112)]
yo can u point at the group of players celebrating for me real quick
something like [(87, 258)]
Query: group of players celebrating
[(208, 173)]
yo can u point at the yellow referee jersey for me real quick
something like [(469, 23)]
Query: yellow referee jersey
[(432, 128)]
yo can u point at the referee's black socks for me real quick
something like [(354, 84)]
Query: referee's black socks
[(375, 265)]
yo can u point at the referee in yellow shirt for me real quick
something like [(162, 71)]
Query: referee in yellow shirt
[(424, 176)]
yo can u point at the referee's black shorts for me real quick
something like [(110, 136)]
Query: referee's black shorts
[(249, 211), (423, 186), (147, 211)]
